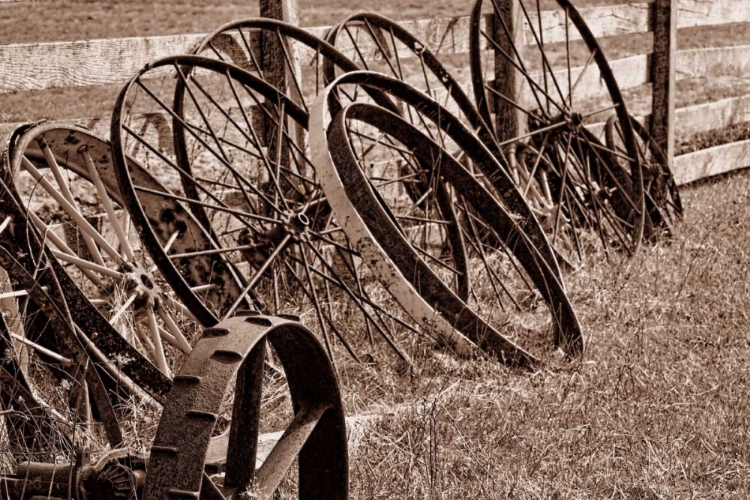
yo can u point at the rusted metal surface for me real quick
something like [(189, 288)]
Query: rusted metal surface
[(19, 251), (119, 475), (316, 437)]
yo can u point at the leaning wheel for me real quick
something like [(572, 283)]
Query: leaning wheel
[(51, 387), (553, 80), (406, 240), (314, 442), (663, 201), (65, 179), (240, 227)]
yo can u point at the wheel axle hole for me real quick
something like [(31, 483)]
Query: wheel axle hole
[(147, 282)]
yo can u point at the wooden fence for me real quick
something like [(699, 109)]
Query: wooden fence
[(42, 66)]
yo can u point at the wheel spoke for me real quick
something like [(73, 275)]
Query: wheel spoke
[(282, 456), (105, 200)]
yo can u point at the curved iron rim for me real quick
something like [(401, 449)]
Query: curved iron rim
[(391, 239), (506, 190), (237, 346), (571, 338)]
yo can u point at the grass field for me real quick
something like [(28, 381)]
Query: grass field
[(658, 406), (656, 409)]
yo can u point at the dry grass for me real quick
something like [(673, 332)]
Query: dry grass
[(656, 409)]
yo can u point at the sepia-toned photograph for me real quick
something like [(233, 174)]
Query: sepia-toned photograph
[(328, 249)]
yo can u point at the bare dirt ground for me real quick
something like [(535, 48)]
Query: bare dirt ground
[(658, 406)]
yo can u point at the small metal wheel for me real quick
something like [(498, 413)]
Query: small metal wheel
[(55, 398), (314, 442), (549, 81), (244, 222), (359, 157), (663, 201), (64, 177)]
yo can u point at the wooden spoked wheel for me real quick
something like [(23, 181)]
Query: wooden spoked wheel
[(238, 227), (552, 80), (663, 201), (55, 395), (359, 157), (64, 177)]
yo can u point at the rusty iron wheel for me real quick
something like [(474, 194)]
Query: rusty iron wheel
[(505, 252), (244, 223), (549, 78), (65, 179), (663, 201), (314, 442)]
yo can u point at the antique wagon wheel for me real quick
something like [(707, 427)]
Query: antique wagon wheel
[(50, 384), (265, 236), (505, 261), (663, 202), (549, 79), (65, 179), (315, 438)]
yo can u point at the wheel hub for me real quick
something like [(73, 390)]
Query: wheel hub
[(139, 282)]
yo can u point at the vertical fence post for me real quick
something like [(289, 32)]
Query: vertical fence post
[(508, 33), (663, 62), (273, 60)]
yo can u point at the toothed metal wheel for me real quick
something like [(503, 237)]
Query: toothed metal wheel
[(314, 443)]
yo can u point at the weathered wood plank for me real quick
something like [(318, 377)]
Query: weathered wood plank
[(712, 161), (93, 62), (610, 20), (712, 115), (710, 12), (724, 61), (26, 67), (663, 62)]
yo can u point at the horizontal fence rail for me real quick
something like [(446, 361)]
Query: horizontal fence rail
[(42, 66)]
